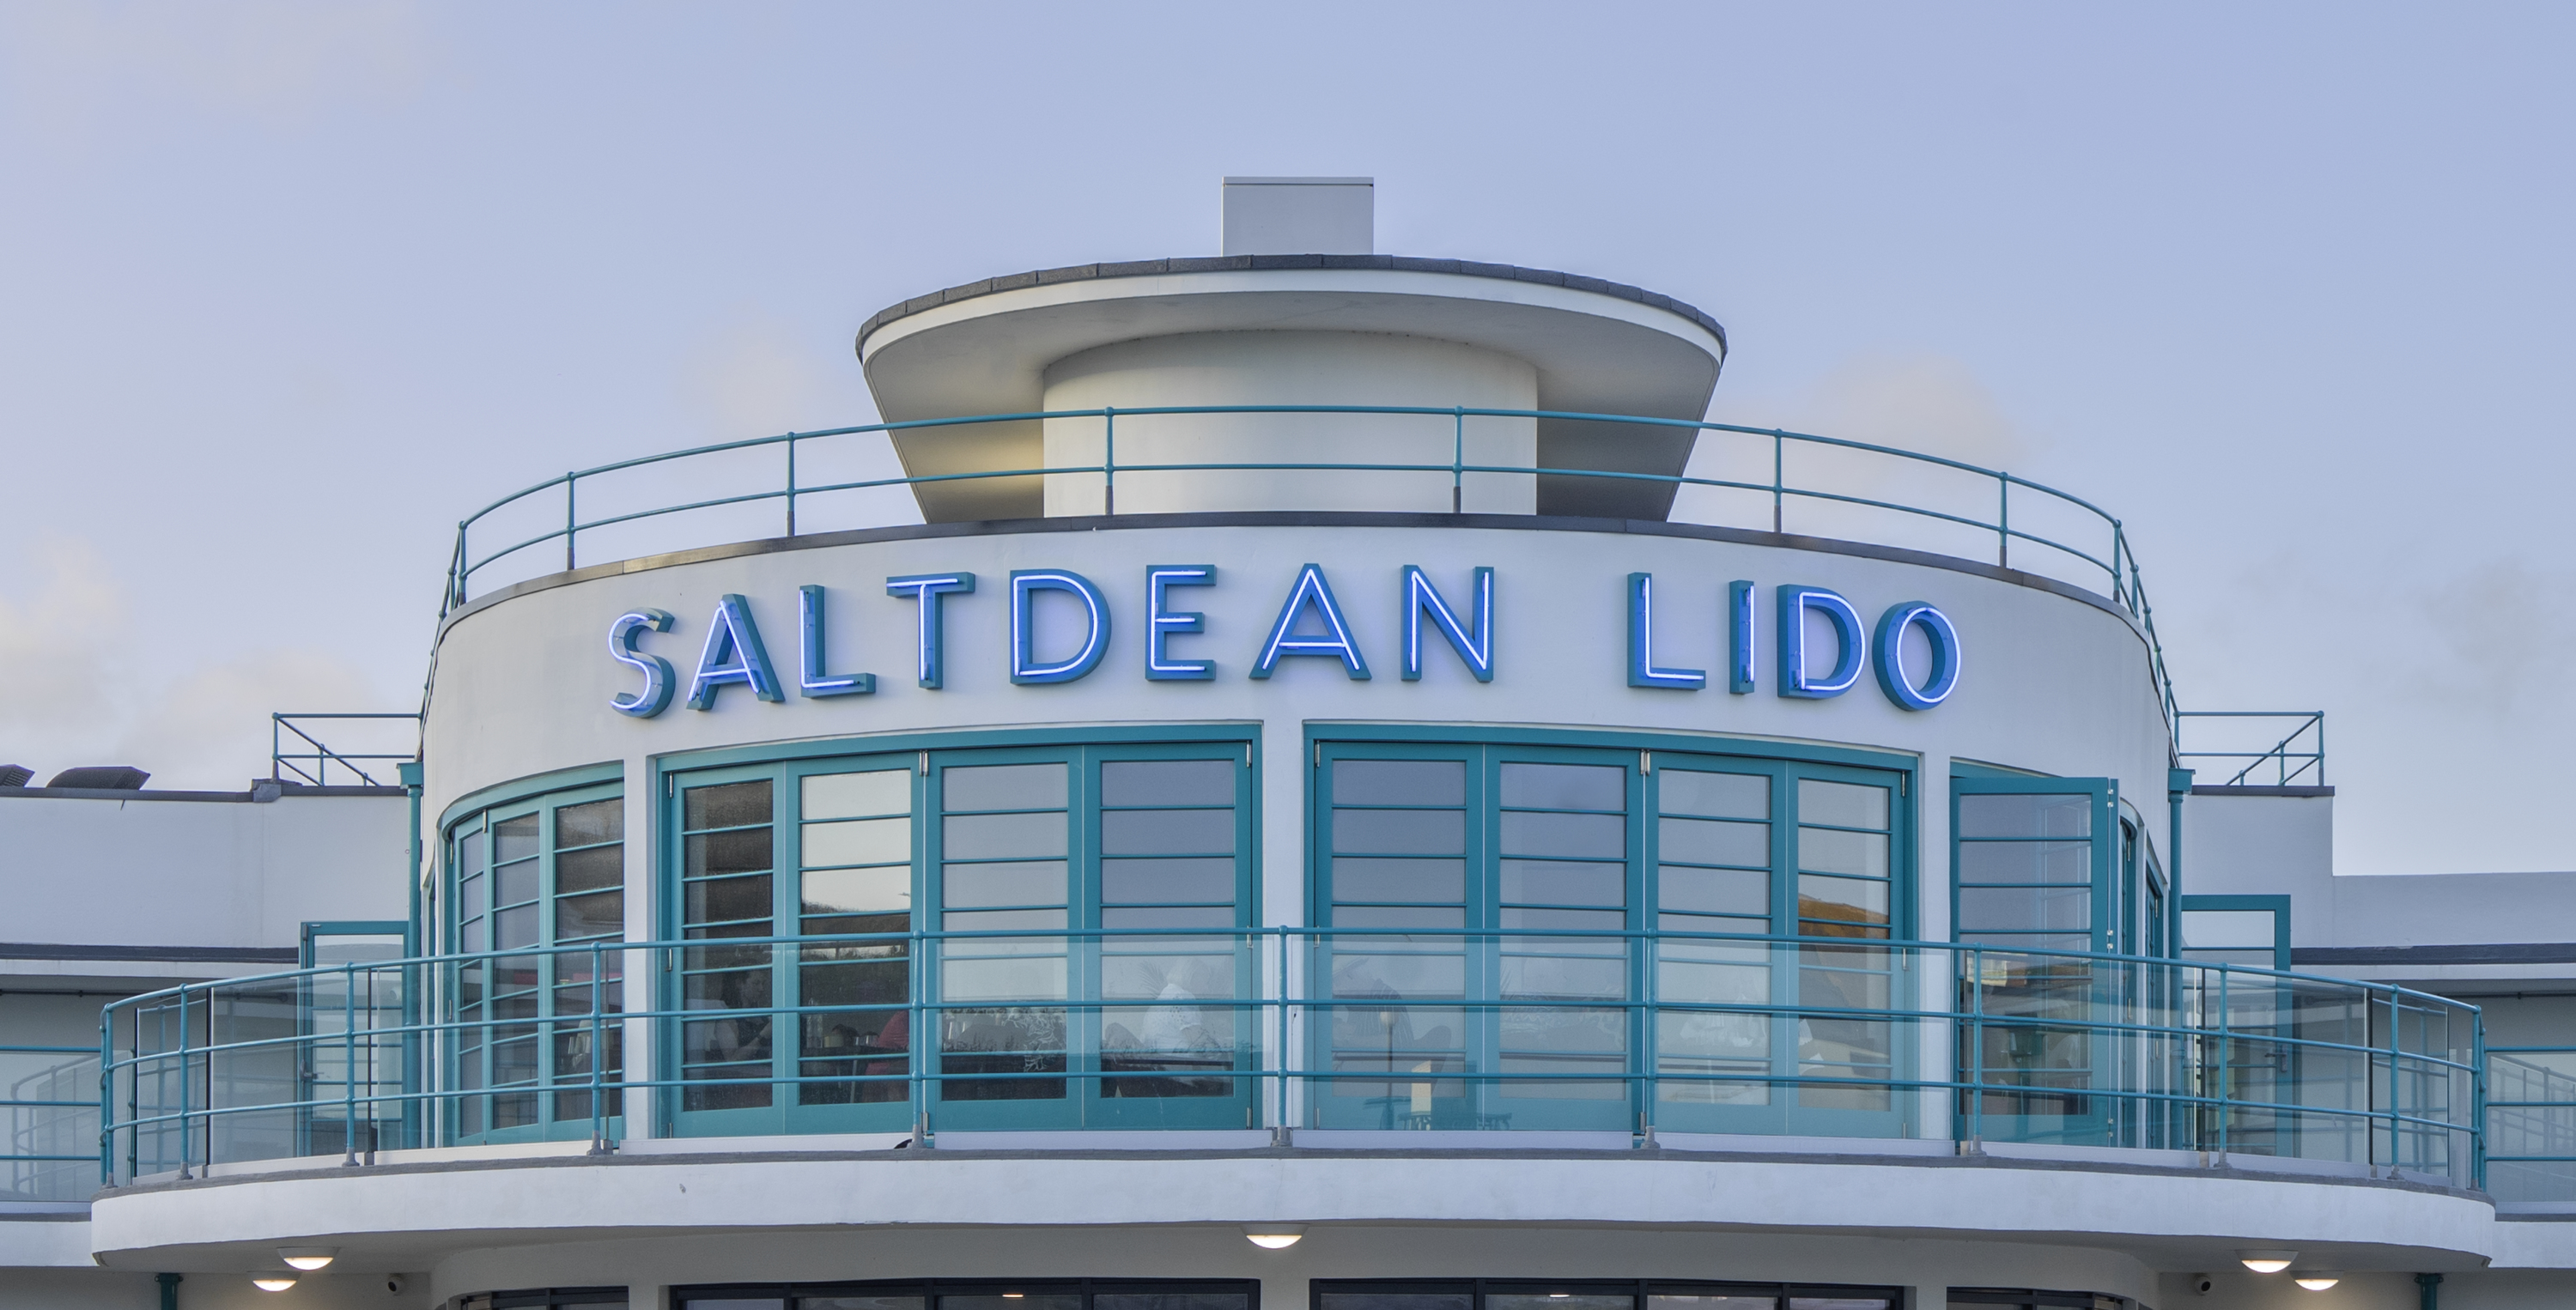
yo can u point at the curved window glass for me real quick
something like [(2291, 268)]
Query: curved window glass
[(544, 876), (1073, 907), (1484, 907)]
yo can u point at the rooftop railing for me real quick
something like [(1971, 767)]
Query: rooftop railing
[(1763, 479), (1341, 1037), (296, 755), (2228, 746)]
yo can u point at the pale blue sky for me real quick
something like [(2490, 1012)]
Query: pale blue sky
[(285, 289)]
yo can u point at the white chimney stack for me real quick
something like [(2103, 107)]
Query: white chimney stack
[(1300, 216)]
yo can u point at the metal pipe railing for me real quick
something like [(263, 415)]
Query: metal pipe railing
[(2275, 1067), (2111, 561)]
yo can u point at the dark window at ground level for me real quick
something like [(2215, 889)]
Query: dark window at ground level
[(1059, 1294)]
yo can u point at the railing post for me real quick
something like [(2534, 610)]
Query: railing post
[(922, 1040), (1458, 464), (1977, 1046), (1280, 1109), (572, 523), (599, 1052), (1649, 947), (791, 484), (2003, 520), (2224, 1060), (348, 1065), (186, 1152), (107, 1096), (1109, 460), (1778, 441)]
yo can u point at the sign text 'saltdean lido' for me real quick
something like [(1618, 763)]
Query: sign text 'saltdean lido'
[(1310, 625)]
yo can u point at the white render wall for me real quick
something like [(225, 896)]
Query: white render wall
[(2051, 683), (1292, 368), (142, 873)]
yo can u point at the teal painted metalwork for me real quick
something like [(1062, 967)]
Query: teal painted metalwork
[(2298, 759), (2108, 560), (311, 762), (2250, 1061)]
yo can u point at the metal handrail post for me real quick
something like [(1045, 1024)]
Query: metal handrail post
[(348, 1065), (186, 1153), (2225, 1058), (2396, 1092), (106, 1096), (1458, 464), (2003, 521), (1279, 1106), (599, 1052), (572, 522), (2478, 1103), (1109, 460), (1779, 440), (791, 484), (1977, 1046), (918, 1038)]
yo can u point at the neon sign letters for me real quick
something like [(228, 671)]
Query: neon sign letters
[(1821, 647)]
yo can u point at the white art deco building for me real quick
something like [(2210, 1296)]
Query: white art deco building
[(1300, 779)]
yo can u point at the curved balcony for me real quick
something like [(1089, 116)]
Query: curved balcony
[(1147, 465), (1326, 1039)]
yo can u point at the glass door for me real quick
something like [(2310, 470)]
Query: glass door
[(2034, 869), (1773, 1037)]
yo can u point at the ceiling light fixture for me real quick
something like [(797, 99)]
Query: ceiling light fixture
[(307, 1257), (1274, 1237), (278, 1282), (2267, 1262), (2316, 1282)]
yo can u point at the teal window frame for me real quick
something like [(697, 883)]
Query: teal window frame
[(2277, 906), (2054, 1066), (561, 1036), (1788, 969), (927, 757)]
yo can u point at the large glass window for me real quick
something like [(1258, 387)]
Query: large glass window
[(1494, 1294), (1486, 902), (535, 876), (1061, 888)]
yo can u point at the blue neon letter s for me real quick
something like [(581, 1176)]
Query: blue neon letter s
[(630, 628)]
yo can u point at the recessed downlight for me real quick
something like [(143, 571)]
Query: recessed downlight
[(2315, 1282), (2266, 1262), (1274, 1237), (307, 1258), (277, 1282)]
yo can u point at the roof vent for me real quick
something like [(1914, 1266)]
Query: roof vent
[(1300, 216), (15, 775), (101, 777)]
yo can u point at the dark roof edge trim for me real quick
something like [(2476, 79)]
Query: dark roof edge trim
[(2488, 953), (2296, 793), (1257, 263), (202, 797), (175, 954)]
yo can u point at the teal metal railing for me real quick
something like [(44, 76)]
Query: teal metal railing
[(2054, 532), (1632, 1038), (50, 1109), (2297, 759), (306, 760)]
